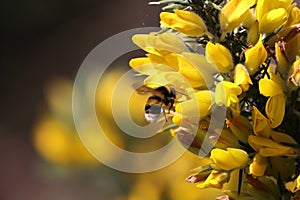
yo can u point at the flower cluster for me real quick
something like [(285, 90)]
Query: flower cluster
[(241, 56)]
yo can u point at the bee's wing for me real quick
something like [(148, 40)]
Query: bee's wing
[(144, 90)]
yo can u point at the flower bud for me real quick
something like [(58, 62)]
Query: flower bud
[(238, 158), (219, 56), (241, 77), (186, 22), (226, 93)]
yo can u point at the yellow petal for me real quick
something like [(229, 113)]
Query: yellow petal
[(261, 124), (226, 92), (219, 56), (241, 77), (272, 20), (135, 62), (216, 179), (282, 138), (259, 53), (253, 34), (269, 87), (238, 158), (234, 13), (267, 147), (258, 166), (161, 44), (187, 69), (186, 22), (202, 101), (275, 109)]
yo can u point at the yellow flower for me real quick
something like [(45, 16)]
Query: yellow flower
[(202, 99), (194, 67), (294, 16), (215, 179), (186, 22), (259, 53), (293, 186), (258, 166), (58, 144), (219, 56), (159, 78), (234, 13), (228, 160), (226, 93), (271, 14), (275, 106), (161, 44), (261, 124), (267, 147), (241, 77)]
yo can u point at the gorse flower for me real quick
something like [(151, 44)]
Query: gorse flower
[(186, 22), (241, 57), (255, 57), (234, 13), (219, 56), (226, 93)]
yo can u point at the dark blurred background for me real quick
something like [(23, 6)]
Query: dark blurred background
[(42, 39)]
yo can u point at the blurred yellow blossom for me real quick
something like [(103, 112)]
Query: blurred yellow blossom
[(59, 144)]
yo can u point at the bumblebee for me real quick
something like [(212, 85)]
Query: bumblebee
[(162, 99)]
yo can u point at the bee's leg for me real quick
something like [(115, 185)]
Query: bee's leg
[(171, 106), (164, 112)]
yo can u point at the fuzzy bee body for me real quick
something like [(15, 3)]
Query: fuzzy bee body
[(162, 99)]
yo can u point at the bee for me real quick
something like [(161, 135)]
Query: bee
[(162, 99)]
